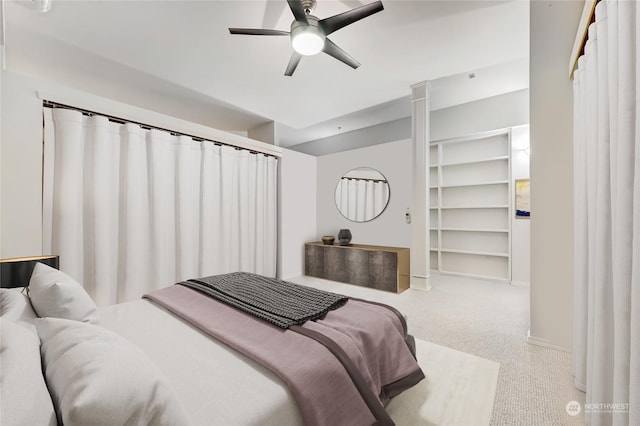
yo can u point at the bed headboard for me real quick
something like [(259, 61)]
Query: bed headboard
[(16, 272)]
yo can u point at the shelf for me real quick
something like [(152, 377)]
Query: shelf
[(500, 206), (495, 182), (460, 274), (472, 230), (473, 205), (482, 160), (473, 252)]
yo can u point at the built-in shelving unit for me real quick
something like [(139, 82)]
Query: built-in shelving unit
[(471, 206)]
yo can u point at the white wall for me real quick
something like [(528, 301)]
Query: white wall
[(21, 168), (361, 138), (553, 28), (393, 160), (498, 112), (297, 211), (520, 228)]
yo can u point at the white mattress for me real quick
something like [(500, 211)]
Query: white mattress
[(216, 385)]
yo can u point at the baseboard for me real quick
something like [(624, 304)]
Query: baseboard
[(544, 343), (290, 277), (420, 282), (473, 276), (520, 283)]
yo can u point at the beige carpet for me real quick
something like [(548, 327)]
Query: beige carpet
[(459, 389)]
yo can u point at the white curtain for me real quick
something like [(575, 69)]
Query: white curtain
[(361, 200), (130, 210), (606, 353)]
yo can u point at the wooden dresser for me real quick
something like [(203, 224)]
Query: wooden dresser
[(379, 267)]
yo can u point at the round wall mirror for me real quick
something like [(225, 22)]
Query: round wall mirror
[(362, 194)]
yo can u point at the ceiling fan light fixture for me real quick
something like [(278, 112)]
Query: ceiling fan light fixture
[(307, 39), (307, 43), (309, 34)]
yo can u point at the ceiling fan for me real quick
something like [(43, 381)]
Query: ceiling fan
[(309, 34)]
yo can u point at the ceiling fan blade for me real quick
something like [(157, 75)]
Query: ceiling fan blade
[(293, 63), (272, 13), (335, 22), (258, 31), (298, 10), (330, 48)]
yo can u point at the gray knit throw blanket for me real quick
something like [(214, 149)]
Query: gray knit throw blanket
[(281, 303)]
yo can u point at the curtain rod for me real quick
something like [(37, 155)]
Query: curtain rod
[(587, 18), (119, 120), (367, 179)]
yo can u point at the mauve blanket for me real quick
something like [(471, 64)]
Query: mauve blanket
[(343, 385)]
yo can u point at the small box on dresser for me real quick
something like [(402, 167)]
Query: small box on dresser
[(379, 267)]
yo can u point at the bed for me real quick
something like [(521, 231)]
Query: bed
[(145, 364)]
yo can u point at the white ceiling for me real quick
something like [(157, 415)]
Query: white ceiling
[(183, 50)]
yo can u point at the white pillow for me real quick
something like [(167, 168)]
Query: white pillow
[(96, 377), (55, 294), (24, 398), (16, 307)]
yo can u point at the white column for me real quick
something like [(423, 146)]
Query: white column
[(420, 211)]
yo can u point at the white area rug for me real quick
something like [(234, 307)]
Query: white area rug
[(459, 389)]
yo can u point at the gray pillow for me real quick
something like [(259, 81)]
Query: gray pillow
[(16, 307), (99, 378), (24, 398), (55, 294)]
